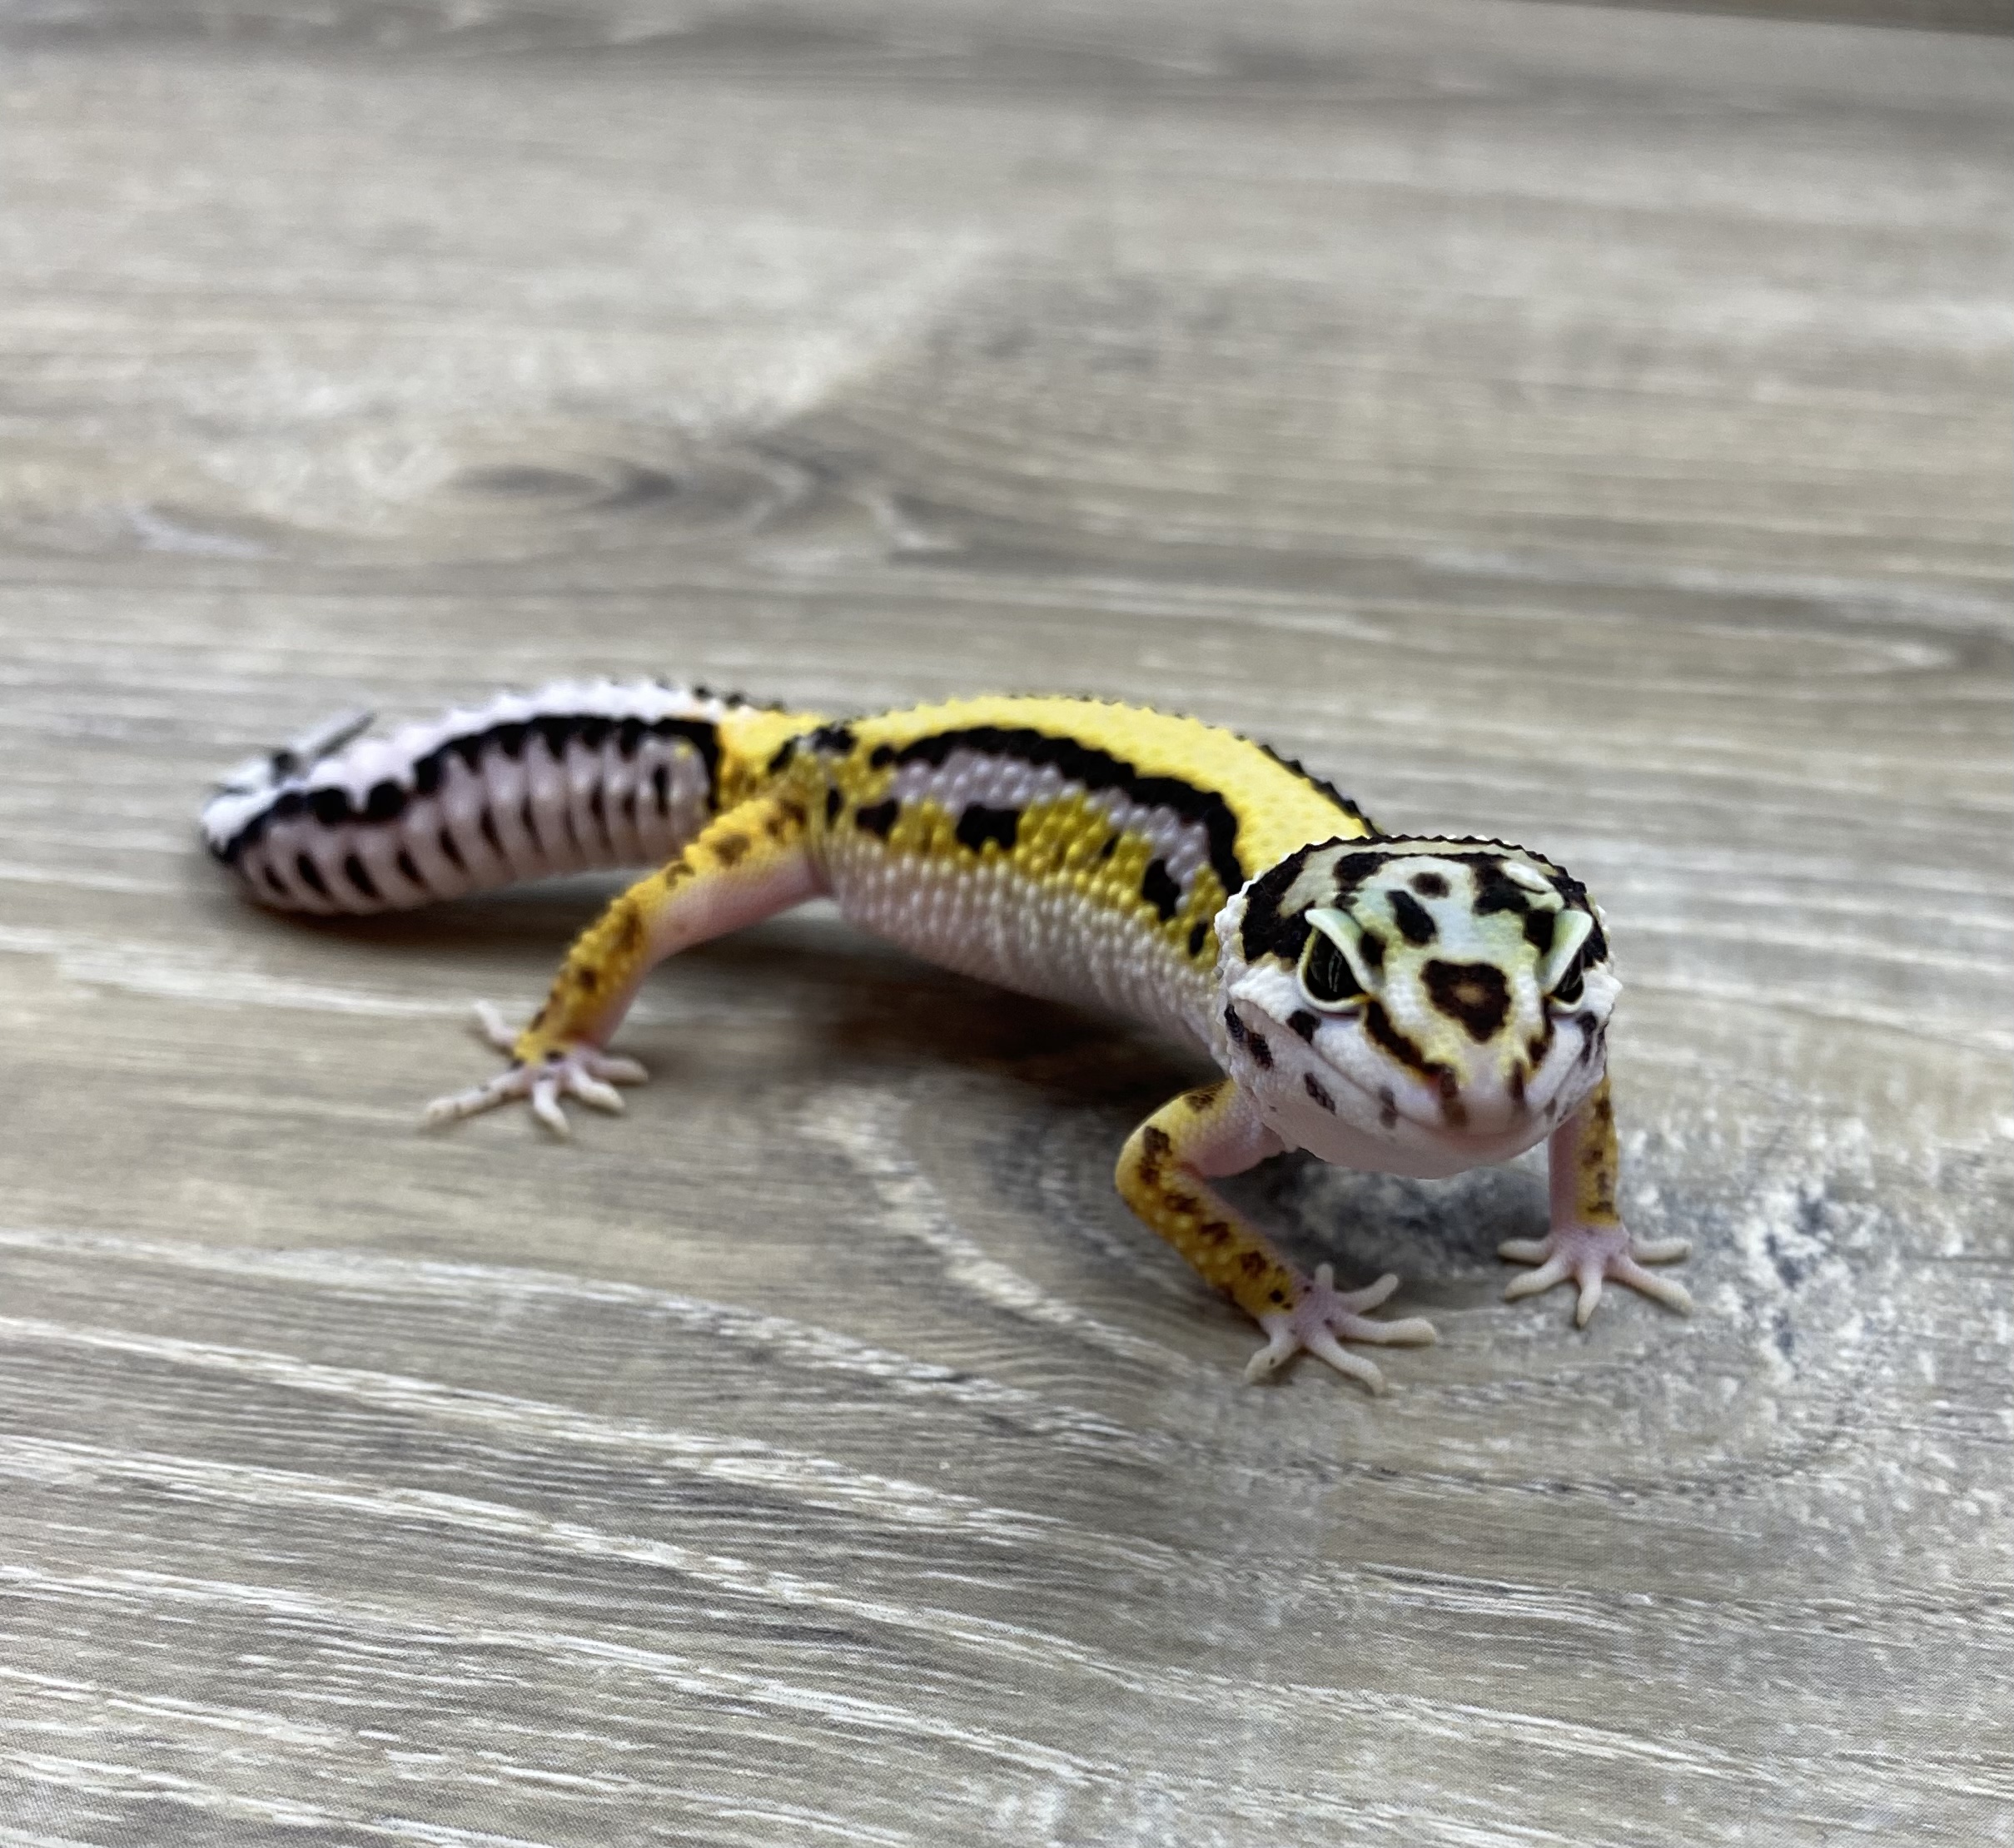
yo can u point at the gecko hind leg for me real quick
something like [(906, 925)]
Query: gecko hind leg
[(745, 865)]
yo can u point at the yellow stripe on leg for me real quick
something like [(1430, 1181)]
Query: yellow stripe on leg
[(743, 865), (1217, 1130), (1214, 1130)]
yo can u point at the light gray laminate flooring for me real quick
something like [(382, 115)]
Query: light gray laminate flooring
[(1584, 426)]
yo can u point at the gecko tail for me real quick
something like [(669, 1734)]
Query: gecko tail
[(574, 777)]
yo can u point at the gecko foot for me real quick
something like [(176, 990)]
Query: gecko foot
[(1323, 1318), (1587, 1255), (582, 1071)]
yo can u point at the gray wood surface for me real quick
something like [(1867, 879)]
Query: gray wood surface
[(1584, 426)]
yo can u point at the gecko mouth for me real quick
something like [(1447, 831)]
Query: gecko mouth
[(1456, 1118)]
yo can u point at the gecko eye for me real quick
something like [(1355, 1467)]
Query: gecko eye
[(1329, 977), (1559, 975)]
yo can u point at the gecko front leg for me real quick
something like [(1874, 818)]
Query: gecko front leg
[(749, 864), (1163, 1176), (1588, 1242)]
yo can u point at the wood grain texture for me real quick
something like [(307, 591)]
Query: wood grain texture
[(1583, 426)]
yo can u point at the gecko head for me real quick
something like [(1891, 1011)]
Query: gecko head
[(1414, 1006)]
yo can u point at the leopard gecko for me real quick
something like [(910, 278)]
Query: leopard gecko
[(1412, 1006)]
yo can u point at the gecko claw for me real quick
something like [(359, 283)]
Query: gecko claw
[(1587, 1256), (582, 1071), (1323, 1318), (494, 1029)]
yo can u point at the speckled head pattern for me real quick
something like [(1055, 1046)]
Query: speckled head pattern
[(1414, 1006)]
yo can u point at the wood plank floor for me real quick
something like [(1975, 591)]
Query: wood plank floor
[(1585, 427)]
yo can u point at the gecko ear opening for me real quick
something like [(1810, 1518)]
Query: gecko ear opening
[(1334, 973), (1570, 931)]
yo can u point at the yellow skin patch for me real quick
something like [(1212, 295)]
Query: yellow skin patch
[(1160, 1176), (1162, 867), (1597, 1162)]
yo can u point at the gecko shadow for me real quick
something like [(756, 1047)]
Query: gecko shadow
[(869, 1008)]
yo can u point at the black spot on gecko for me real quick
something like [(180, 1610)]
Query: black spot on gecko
[(409, 868), (490, 835), (1495, 890), (1199, 935), (1313, 1087), (529, 822), (310, 874), (1303, 1023), (879, 819), (1262, 1053), (661, 786), (1539, 927), (451, 851), (1372, 947), (834, 801), (385, 802), (979, 824), (1267, 930), (1234, 1026), (1158, 888), (359, 875), (1474, 993), (1351, 870), (1414, 921), (1388, 1108), (704, 737), (557, 729), (1429, 884), (882, 756), (779, 758), (834, 740), (1378, 1026), (329, 806), (1110, 848)]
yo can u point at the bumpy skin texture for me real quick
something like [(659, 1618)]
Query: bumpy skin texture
[(1412, 1006)]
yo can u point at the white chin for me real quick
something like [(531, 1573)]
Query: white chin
[(1424, 1151)]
